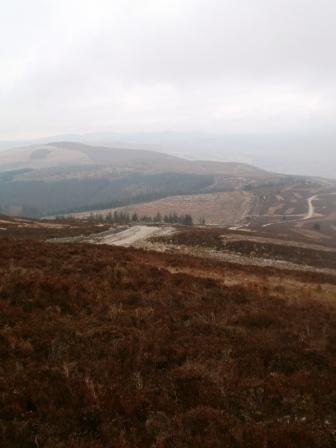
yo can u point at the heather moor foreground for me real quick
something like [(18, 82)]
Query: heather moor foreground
[(167, 224), (120, 347)]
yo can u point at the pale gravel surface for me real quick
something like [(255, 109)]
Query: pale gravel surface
[(130, 236), (134, 235)]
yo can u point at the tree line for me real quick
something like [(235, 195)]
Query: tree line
[(120, 217)]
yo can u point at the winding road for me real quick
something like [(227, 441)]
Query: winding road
[(311, 208), (309, 215)]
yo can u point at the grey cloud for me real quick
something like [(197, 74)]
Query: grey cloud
[(214, 65)]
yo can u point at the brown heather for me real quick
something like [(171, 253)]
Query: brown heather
[(104, 347)]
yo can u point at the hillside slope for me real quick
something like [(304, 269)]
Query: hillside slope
[(71, 154), (68, 176), (121, 352), (225, 208)]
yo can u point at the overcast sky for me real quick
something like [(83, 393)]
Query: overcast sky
[(226, 66)]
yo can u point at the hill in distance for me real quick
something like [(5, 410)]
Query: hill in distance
[(73, 154), (296, 154), (62, 178), (67, 176)]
